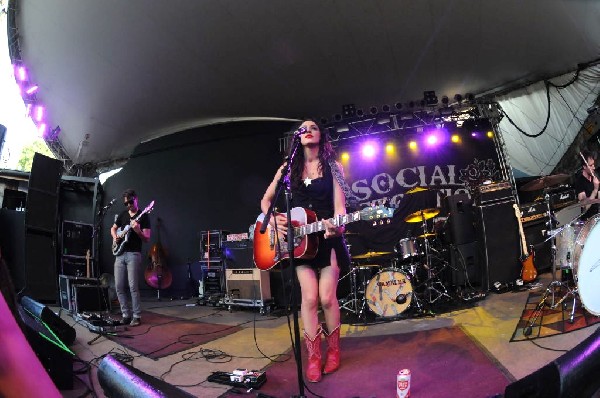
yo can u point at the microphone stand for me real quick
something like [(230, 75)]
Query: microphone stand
[(95, 232), (284, 182)]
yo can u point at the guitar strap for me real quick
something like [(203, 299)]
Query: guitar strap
[(351, 198)]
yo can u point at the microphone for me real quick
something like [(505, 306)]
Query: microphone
[(301, 130), (112, 202)]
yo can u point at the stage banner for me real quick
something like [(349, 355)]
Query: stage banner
[(411, 180)]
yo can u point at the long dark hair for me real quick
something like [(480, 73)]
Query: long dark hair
[(326, 152)]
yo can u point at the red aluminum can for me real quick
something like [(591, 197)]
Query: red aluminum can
[(403, 384)]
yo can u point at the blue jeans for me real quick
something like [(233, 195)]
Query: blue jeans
[(127, 269)]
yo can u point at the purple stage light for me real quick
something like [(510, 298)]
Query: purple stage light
[(42, 129), (21, 73), (432, 139), (368, 150), (39, 113), (475, 134), (32, 89)]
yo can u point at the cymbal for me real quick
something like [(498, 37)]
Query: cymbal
[(545, 182), (416, 189), (427, 235), (419, 216), (370, 255)]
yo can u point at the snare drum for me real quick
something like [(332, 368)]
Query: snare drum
[(408, 248), (389, 293), (586, 270)]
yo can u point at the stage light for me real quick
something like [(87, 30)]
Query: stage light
[(42, 129), (390, 149), (412, 145), (360, 113), (385, 108), (337, 117), (475, 134), (368, 150), (348, 110), (32, 90), (490, 134), (21, 73), (373, 110), (430, 98), (345, 156), (455, 138), (398, 105), (39, 113), (28, 109), (458, 98)]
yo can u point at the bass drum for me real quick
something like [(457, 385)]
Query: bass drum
[(389, 293), (586, 265)]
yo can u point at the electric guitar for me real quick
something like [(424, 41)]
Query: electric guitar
[(118, 246), (270, 250), (528, 271)]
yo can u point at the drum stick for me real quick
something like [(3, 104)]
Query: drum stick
[(588, 166)]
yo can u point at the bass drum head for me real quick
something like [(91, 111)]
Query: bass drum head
[(389, 293), (587, 266)]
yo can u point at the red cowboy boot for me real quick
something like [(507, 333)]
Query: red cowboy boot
[(332, 360), (313, 368)]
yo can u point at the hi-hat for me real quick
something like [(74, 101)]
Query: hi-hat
[(425, 214), (545, 182), (370, 255), (416, 189)]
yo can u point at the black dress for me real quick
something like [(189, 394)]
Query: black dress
[(318, 197)]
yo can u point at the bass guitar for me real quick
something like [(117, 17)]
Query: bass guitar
[(528, 270), (157, 275), (270, 250), (118, 246)]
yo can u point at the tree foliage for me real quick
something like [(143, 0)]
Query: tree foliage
[(26, 159)]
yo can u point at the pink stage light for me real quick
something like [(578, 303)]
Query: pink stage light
[(432, 139), (32, 89), (28, 109), (475, 134), (42, 129), (368, 150), (21, 73), (39, 113)]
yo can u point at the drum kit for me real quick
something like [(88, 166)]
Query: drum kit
[(387, 284), (574, 254)]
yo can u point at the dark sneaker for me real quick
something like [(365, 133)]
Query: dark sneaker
[(135, 321), (126, 320)]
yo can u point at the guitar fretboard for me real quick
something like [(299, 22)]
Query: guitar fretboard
[(318, 226)]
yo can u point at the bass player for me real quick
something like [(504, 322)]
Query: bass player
[(128, 263)]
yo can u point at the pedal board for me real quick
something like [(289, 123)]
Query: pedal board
[(255, 379), (96, 323)]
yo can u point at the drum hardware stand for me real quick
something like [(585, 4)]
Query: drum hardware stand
[(432, 278), (551, 290), (350, 303)]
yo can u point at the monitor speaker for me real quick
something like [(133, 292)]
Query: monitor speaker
[(60, 328), (574, 374), (499, 242)]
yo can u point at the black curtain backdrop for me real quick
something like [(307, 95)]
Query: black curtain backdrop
[(209, 178), (213, 178), (443, 169)]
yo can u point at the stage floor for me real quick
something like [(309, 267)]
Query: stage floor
[(490, 322)]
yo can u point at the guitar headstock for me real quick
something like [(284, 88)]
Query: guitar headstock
[(377, 214), (149, 208)]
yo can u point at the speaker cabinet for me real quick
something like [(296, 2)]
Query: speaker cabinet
[(89, 298), (248, 284), (40, 267), (499, 242), (461, 223), (465, 265), (76, 239)]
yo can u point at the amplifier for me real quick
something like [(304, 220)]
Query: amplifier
[(212, 277), (66, 284), (493, 192), (252, 284), (238, 254), (533, 211), (559, 200), (90, 298)]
